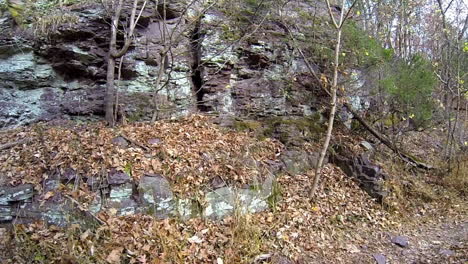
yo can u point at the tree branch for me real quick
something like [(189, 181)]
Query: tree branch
[(129, 35)]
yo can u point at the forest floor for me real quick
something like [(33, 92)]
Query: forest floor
[(443, 242), (341, 225)]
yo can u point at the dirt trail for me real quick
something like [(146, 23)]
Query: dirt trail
[(444, 242)]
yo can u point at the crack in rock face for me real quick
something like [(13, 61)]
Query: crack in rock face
[(64, 75)]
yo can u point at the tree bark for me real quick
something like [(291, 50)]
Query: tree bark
[(110, 86), (114, 54), (333, 103)]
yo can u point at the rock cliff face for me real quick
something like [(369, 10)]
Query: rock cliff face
[(206, 69), (208, 60)]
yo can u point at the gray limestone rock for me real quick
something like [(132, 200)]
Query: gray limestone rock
[(220, 203), (15, 194), (155, 191), (120, 142), (5, 213), (225, 201), (96, 204), (370, 176), (367, 145), (154, 141), (118, 177), (446, 252), (299, 161), (121, 191), (124, 205)]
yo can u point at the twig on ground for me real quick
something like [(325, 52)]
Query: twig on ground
[(15, 143)]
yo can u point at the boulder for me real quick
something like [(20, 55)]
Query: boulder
[(299, 161), (156, 193), (118, 177), (121, 191), (370, 176), (220, 203), (225, 201)]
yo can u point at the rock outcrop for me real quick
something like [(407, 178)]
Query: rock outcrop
[(63, 75), (152, 194), (210, 66), (370, 176)]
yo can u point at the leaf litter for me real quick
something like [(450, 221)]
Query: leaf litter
[(190, 153)]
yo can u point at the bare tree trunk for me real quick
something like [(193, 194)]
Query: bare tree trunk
[(110, 92), (114, 54), (333, 102), (110, 87), (162, 62), (157, 87)]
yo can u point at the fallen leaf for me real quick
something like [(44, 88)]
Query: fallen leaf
[(114, 256)]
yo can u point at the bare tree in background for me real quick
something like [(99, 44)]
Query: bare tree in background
[(451, 54)]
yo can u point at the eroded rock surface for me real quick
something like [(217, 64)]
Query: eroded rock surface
[(370, 176), (151, 195), (63, 76)]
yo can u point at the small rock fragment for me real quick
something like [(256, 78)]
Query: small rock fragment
[(154, 141), (401, 241), (15, 194), (368, 146), (379, 258), (120, 142), (195, 239), (118, 177), (446, 252), (51, 184)]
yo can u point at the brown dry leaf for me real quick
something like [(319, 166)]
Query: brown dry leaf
[(112, 212), (85, 235), (114, 256), (48, 195), (142, 259)]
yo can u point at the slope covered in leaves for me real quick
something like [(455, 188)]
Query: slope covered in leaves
[(189, 152), (341, 225), (293, 229)]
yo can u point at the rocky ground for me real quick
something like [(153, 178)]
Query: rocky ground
[(444, 242)]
